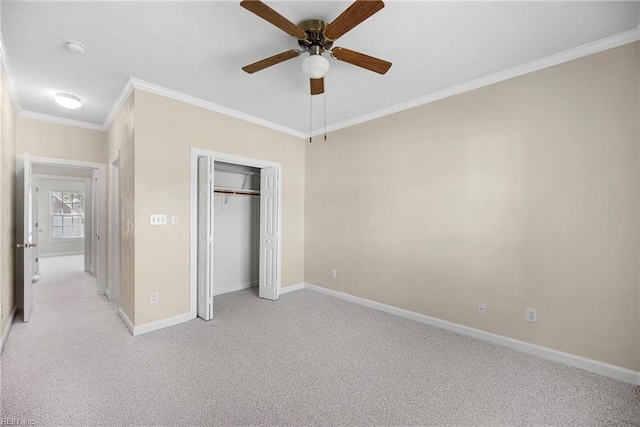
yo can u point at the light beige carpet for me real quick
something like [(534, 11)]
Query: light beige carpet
[(307, 359)]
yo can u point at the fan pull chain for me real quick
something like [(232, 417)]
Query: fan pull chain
[(310, 118), (324, 97)]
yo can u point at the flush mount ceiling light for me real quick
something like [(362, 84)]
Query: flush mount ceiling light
[(69, 101), (74, 46)]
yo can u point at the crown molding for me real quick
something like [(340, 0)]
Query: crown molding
[(133, 83), (60, 120), (5, 70), (198, 102), (539, 64), (117, 105)]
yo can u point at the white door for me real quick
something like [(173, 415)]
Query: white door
[(24, 234), (94, 223), (36, 231), (269, 233), (101, 229), (205, 238), (114, 229)]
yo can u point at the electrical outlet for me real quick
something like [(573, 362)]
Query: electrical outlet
[(153, 298), (532, 315), (334, 274), (158, 219), (482, 309)]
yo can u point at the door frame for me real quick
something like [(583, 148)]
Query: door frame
[(113, 277), (193, 250), (101, 211), (87, 189)]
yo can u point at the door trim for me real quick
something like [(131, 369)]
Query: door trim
[(193, 250), (113, 276), (102, 190)]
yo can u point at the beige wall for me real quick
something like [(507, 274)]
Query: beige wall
[(45, 139), (520, 194), (165, 132), (7, 207), (121, 136)]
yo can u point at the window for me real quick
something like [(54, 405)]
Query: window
[(67, 215)]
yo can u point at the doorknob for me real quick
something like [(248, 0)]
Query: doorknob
[(26, 245)]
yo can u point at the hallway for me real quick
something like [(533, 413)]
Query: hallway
[(55, 352)]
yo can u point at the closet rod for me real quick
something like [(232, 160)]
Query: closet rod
[(238, 192)]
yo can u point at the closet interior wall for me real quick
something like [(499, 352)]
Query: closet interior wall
[(236, 233)]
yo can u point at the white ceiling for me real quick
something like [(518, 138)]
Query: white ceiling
[(198, 48)]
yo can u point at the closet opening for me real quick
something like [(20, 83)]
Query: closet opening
[(235, 228)]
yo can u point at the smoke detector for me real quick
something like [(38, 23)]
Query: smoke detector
[(74, 46)]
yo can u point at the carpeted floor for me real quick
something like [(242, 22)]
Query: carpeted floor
[(307, 359)]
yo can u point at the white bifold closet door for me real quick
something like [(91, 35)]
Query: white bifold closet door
[(269, 233), (205, 238)]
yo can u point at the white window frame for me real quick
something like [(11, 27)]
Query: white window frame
[(57, 214)]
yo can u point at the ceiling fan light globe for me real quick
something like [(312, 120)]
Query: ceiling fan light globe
[(315, 66)]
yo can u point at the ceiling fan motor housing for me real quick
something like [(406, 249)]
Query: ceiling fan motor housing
[(315, 36)]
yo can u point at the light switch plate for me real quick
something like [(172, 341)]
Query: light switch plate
[(175, 220), (158, 219)]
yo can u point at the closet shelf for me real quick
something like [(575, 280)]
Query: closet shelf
[(236, 191)]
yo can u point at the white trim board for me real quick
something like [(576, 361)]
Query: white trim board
[(198, 102), (60, 120), (610, 42), (292, 288), (161, 324), (7, 329), (65, 162), (117, 105), (152, 326), (125, 319), (134, 83), (597, 367), (57, 254), (5, 71)]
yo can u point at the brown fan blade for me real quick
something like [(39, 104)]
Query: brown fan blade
[(317, 86), (353, 16), (272, 60), (361, 60), (270, 15)]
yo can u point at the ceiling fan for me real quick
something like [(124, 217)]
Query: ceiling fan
[(317, 37)]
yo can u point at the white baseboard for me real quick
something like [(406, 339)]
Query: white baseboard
[(161, 324), (291, 288), (601, 368), (152, 326), (125, 319), (233, 288), (7, 329), (55, 254)]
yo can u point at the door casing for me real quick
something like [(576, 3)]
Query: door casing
[(193, 257), (100, 213)]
